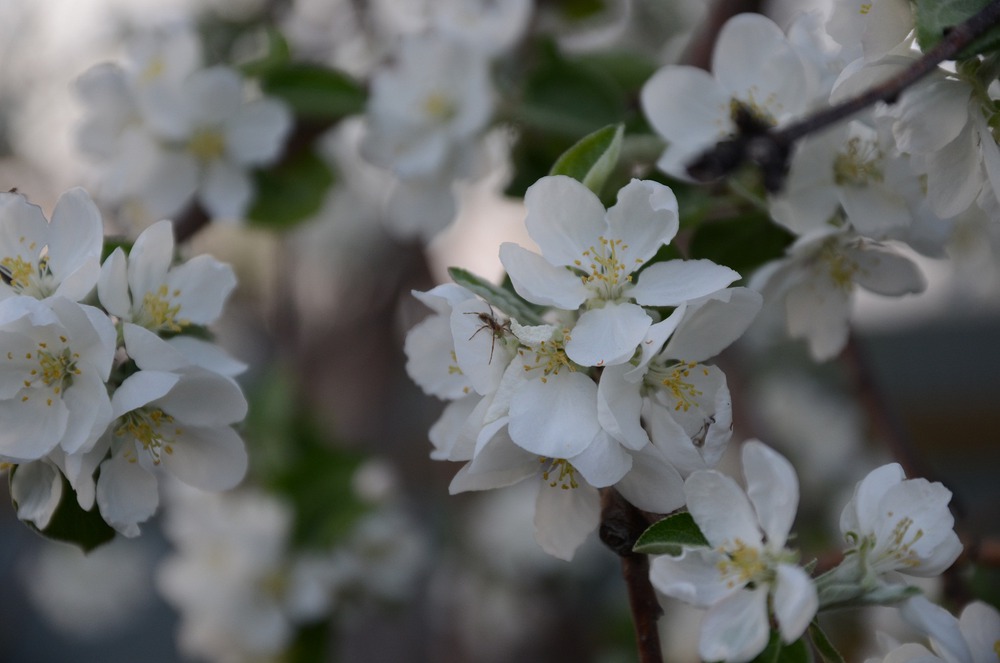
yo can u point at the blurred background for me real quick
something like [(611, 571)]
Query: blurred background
[(342, 497)]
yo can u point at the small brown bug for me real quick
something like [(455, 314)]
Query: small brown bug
[(497, 329)]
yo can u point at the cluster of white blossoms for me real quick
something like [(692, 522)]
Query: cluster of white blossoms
[(907, 174), (113, 387), (892, 525), (164, 130), (430, 105), (593, 376)]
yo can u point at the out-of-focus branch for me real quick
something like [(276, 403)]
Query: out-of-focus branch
[(769, 149), (621, 525)]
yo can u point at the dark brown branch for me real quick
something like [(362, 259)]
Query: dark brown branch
[(770, 149), (621, 526)]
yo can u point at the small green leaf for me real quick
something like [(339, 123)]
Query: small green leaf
[(744, 243), (315, 92), (501, 298), (290, 192), (823, 644), (934, 17), (778, 652), (71, 524), (667, 536), (592, 158)]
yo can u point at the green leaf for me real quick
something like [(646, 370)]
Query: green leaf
[(501, 298), (290, 192), (823, 644), (71, 524), (667, 536), (313, 91), (934, 17), (744, 243), (278, 54), (592, 158)]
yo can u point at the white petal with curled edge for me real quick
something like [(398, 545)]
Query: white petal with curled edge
[(619, 406), (76, 239), (209, 458), (126, 495), (713, 325), (675, 281), (693, 577), (653, 484), (36, 489), (564, 518), (644, 219), (603, 463), (795, 601), (556, 418), (565, 218), (773, 490), (608, 335), (149, 259), (861, 514), (735, 629), (112, 285), (721, 509), (202, 285), (541, 282)]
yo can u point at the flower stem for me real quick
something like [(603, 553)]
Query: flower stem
[(621, 525)]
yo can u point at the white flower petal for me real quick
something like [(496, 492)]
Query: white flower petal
[(619, 406), (140, 389), (709, 327), (36, 489), (208, 458), (203, 398), (675, 281), (693, 577), (644, 219), (226, 191), (653, 484), (541, 282), (773, 490), (603, 463), (556, 418), (34, 424), (564, 518), (940, 625), (607, 336), (257, 132), (721, 509), (736, 628), (565, 218), (687, 106), (126, 495), (202, 285), (795, 601), (112, 286)]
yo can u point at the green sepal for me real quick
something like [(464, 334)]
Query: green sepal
[(290, 192), (670, 535), (592, 159), (823, 644), (71, 523), (501, 298), (777, 651), (315, 92), (934, 17)]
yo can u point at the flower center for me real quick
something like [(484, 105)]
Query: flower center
[(558, 472), (159, 311), (24, 278), (675, 380), (146, 425), (439, 107), (742, 563), (607, 273), (207, 144), (841, 268), (900, 549), (858, 165), (55, 370), (550, 357)]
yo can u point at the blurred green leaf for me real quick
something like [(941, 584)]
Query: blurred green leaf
[(744, 243), (314, 92), (934, 17), (667, 536), (71, 524), (290, 192), (293, 456), (592, 158), (503, 299), (778, 652), (278, 55)]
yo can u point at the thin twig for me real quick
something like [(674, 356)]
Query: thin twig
[(621, 525), (770, 148)]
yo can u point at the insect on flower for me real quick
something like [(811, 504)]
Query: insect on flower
[(497, 328)]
